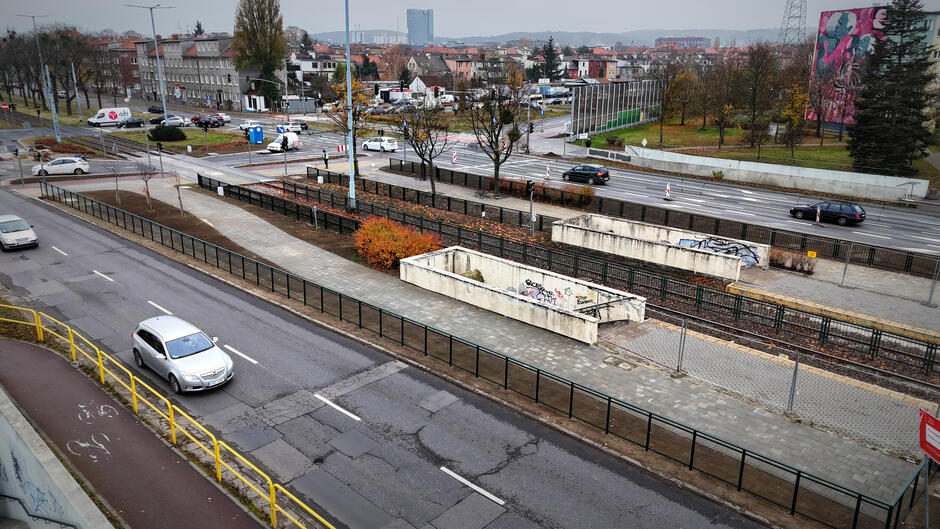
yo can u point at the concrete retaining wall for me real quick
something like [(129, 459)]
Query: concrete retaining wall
[(532, 295), (859, 185), (655, 244), (30, 471)]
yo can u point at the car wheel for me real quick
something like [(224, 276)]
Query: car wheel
[(138, 359), (564, 177), (591, 180), (382, 149), (175, 385), (799, 214), (842, 221), (78, 171), (365, 147), (43, 172)]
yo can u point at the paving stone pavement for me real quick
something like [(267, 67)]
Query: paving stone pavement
[(684, 399)]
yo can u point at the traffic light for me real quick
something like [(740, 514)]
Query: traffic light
[(529, 188), (247, 135), (437, 91), (284, 142), (205, 126), (376, 88), (12, 106), (401, 85), (531, 127), (160, 146)]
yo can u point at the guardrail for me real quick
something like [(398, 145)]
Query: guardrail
[(110, 371), (870, 255), (800, 492), (910, 359)]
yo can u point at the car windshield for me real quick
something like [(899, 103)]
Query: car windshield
[(188, 345), (12, 226)]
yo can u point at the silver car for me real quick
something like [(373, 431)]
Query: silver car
[(16, 233), (181, 354)]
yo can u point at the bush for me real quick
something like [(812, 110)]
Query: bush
[(614, 141), (164, 133), (383, 243), (792, 260), (717, 174)]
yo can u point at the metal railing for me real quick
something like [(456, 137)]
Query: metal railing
[(174, 421), (791, 488), (908, 262), (903, 357)]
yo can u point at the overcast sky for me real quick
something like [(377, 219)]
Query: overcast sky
[(453, 18)]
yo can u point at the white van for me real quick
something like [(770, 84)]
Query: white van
[(293, 142), (109, 116)]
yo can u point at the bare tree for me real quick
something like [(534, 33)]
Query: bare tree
[(720, 82), (116, 173), (177, 180), (760, 72), (146, 172), (426, 130), (498, 121), (665, 76), (340, 114)]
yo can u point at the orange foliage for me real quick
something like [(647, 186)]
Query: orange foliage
[(382, 243)]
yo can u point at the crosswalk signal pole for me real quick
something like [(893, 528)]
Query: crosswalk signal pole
[(530, 191)]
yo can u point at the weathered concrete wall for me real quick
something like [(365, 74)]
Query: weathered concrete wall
[(534, 296), (858, 185), (589, 231), (30, 471)]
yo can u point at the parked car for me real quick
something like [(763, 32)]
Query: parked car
[(381, 143), (131, 122), (180, 353), (247, 124), (592, 174), (195, 119), (65, 165), (293, 142), (16, 233), (174, 121), (155, 109), (156, 119), (212, 121), (109, 116), (297, 125), (842, 213), (224, 117)]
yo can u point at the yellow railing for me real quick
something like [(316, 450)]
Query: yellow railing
[(109, 370)]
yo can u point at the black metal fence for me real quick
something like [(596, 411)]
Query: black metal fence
[(863, 346), (512, 217), (831, 248), (799, 492)]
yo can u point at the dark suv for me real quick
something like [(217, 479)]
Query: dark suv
[(839, 212), (155, 109), (212, 121), (592, 174)]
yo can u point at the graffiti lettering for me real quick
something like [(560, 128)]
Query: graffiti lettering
[(537, 292), (748, 254), (583, 299)]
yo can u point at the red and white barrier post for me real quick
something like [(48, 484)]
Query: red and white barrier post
[(454, 160), (817, 215), (548, 173), (667, 197)]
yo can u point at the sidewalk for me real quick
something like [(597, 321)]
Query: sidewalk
[(888, 420), (145, 482)]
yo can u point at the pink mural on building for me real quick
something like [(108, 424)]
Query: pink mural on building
[(845, 37)]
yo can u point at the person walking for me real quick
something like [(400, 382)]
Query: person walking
[(326, 159)]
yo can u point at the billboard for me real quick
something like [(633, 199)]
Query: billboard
[(843, 40)]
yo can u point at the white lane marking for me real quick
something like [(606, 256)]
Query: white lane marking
[(337, 408), (160, 308), (749, 199), (924, 238), (746, 191), (872, 235), (58, 250), (739, 212), (241, 354), (454, 475), (104, 276)]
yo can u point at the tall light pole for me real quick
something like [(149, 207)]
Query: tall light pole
[(46, 81), (349, 117), (156, 52)]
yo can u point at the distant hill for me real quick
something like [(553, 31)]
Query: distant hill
[(642, 37)]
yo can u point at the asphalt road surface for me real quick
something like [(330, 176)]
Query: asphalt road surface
[(393, 443)]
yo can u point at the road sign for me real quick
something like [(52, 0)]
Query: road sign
[(643, 143), (340, 148), (542, 112), (930, 435), (256, 135), (4, 107), (811, 254), (280, 129), (582, 136)]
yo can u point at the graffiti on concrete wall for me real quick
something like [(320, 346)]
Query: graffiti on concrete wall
[(537, 292), (748, 254), (40, 501)]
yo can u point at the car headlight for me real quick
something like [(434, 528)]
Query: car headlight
[(190, 378)]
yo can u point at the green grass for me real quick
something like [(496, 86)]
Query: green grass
[(194, 137), (64, 118), (674, 135)]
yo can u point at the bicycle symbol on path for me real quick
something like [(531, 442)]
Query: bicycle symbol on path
[(89, 412)]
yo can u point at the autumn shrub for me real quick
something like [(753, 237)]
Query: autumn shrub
[(792, 260), (383, 243)]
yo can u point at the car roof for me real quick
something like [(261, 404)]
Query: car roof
[(169, 327), (8, 218)]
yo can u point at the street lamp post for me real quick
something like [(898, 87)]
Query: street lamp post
[(45, 80), (349, 117), (156, 52)]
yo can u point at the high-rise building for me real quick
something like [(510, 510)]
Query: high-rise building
[(420, 26)]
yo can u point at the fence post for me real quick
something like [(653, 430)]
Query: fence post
[(845, 268), (796, 369), (741, 469), (933, 284), (796, 490)]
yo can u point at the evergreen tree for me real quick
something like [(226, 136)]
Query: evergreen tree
[(889, 133), (550, 67), (198, 31), (405, 75), (306, 43)]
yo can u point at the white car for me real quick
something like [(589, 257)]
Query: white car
[(294, 126), (225, 117), (69, 165), (174, 121), (383, 143), (293, 142), (327, 107), (16, 233), (244, 125), (181, 354)]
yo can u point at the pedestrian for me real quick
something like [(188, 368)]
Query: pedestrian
[(326, 159), (587, 143)]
